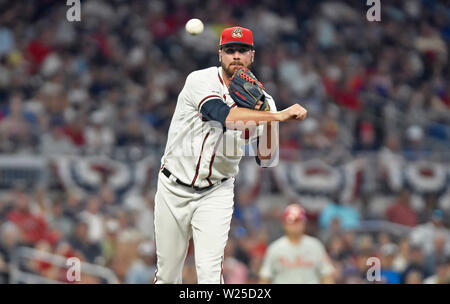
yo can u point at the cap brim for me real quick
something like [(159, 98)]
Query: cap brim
[(236, 42)]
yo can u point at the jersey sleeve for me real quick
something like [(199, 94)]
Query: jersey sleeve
[(273, 108), (272, 105), (200, 89), (255, 139), (324, 266), (267, 268)]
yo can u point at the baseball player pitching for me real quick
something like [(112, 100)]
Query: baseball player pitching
[(194, 197), (296, 258)]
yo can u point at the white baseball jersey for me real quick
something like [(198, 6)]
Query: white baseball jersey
[(197, 153), (303, 263)]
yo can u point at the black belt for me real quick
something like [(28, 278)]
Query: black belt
[(168, 174)]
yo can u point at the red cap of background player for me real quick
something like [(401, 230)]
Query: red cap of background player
[(236, 35), (294, 213)]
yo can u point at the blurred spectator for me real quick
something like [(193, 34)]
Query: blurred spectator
[(15, 127), (108, 199), (34, 227), (414, 277), (57, 221), (132, 135), (415, 148), (365, 243), (145, 217), (55, 143), (356, 271), (110, 242), (337, 249), (384, 238), (89, 251), (94, 219), (7, 42), (45, 269), (401, 212), (415, 271), (40, 48), (430, 44), (74, 130), (64, 249), (73, 206), (108, 86), (438, 255), (400, 261), (234, 271), (425, 234), (99, 137), (142, 271), (334, 230), (388, 274), (10, 238), (127, 230), (368, 136), (246, 211), (189, 275), (348, 216), (391, 162), (442, 274), (128, 240), (240, 252)]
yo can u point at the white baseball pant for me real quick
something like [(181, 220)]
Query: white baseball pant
[(182, 213)]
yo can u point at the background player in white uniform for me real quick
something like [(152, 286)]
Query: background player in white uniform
[(195, 186), (296, 258)]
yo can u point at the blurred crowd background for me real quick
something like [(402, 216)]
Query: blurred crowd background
[(85, 108)]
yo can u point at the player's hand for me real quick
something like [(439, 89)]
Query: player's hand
[(294, 112), (258, 105)]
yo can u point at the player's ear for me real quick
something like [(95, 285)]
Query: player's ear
[(253, 56)]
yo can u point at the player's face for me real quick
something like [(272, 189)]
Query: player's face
[(235, 56), (294, 229)]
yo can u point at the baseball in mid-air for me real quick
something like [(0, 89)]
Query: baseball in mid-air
[(194, 26)]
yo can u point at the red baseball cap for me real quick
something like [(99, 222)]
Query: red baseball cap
[(236, 35), (294, 213)]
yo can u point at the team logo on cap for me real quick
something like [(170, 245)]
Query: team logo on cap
[(237, 33), (293, 213)]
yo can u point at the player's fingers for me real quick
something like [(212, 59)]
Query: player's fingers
[(300, 116)]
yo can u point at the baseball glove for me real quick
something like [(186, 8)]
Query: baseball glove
[(246, 90)]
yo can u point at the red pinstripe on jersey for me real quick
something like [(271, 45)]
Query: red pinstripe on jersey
[(212, 158), (199, 159)]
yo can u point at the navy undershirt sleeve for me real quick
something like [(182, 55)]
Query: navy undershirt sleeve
[(215, 110)]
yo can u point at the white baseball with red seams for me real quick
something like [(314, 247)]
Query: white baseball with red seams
[(198, 154), (194, 26)]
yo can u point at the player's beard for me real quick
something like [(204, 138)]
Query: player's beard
[(233, 67)]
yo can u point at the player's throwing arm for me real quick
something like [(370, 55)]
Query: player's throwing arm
[(251, 102)]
